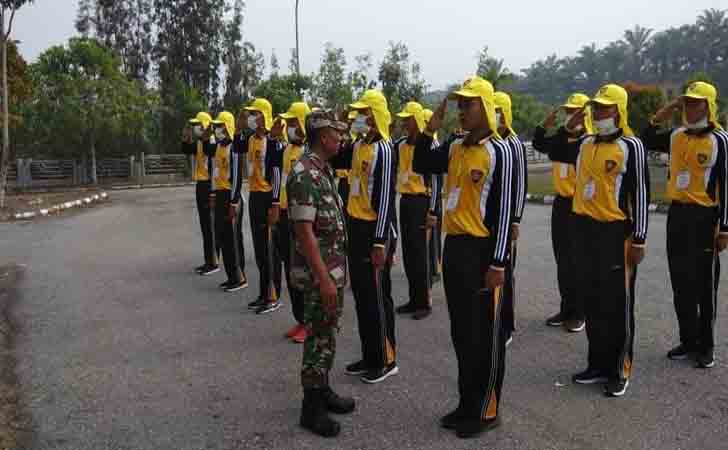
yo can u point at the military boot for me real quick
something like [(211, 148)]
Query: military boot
[(337, 404), (315, 417)]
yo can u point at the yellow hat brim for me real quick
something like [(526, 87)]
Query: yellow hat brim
[(604, 101), (463, 93), (696, 97), (359, 105), (287, 116)]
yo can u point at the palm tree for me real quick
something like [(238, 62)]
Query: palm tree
[(493, 69), (637, 40), (712, 25)]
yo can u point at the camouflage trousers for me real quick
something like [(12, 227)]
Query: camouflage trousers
[(320, 345)]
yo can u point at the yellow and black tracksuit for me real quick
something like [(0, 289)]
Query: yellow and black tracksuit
[(477, 222), (264, 156), (611, 201), (434, 250), (414, 205), (226, 185), (562, 227), (291, 155), (371, 211), (520, 187), (698, 191), (202, 174)]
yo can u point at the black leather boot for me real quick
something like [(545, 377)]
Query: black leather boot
[(314, 414), (337, 404)]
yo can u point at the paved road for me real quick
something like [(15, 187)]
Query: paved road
[(122, 347)]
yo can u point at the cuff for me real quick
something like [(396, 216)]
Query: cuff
[(381, 243), (639, 243), (500, 267), (516, 221)]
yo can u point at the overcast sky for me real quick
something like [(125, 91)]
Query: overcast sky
[(444, 36)]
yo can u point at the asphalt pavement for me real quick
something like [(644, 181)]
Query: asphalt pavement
[(122, 346)]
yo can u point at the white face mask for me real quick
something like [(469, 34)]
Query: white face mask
[(253, 122), (605, 127), (498, 117), (197, 131), (699, 125), (292, 134), (220, 134), (360, 125)]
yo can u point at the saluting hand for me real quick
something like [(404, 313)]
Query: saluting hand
[(277, 131), (576, 120), (550, 120), (438, 117)]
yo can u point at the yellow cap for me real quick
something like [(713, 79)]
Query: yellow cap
[(576, 101), (263, 106), (299, 111), (503, 102), (414, 109), (375, 101), (701, 90), (203, 119), (477, 87), (227, 120), (612, 94)]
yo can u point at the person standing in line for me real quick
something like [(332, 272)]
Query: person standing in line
[(697, 223)]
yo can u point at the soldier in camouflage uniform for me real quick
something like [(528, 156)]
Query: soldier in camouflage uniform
[(318, 268)]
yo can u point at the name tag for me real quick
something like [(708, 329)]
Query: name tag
[(590, 190), (355, 188), (404, 177), (452, 199), (683, 180), (563, 170)]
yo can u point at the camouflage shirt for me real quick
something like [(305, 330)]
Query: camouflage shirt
[(313, 197)]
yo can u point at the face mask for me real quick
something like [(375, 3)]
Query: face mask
[(605, 127), (498, 117), (220, 134), (292, 134), (197, 131), (360, 125), (253, 122), (699, 125)]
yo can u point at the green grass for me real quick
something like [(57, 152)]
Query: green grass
[(539, 183)]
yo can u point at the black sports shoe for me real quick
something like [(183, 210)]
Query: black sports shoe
[(556, 320), (407, 308), (268, 307), (422, 313), (224, 285), (356, 369), (235, 286), (473, 427), (257, 303), (574, 325), (706, 360), (209, 270), (616, 387), (680, 352), (199, 269), (451, 420), (378, 375), (589, 376)]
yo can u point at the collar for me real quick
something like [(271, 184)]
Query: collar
[(702, 131), (505, 134), (320, 163), (611, 138), (468, 141)]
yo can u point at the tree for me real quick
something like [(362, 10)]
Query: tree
[(274, 66), (493, 69), (637, 40), (359, 77), (331, 88), (8, 8), (644, 101), (82, 98), (252, 68), (282, 90), (233, 58), (401, 82)]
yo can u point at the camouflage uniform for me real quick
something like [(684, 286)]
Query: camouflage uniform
[(312, 197)]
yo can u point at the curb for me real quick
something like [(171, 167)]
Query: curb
[(151, 186), (660, 208), (28, 215)]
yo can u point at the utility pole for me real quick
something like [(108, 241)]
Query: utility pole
[(298, 49)]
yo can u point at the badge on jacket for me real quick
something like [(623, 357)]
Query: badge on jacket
[(609, 165), (476, 175)]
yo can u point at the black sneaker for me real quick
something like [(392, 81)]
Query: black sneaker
[(556, 320), (378, 375), (574, 325), (209, 270), (200, 268), (257, 303), (705, 360), (224, 285), (235, 286), (451, 420), (616, 387), (356, 369), (680, 352), (268, 307), (407, 308), (472, 428), (589, 376)]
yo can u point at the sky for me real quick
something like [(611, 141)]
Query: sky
[(444, 36)]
